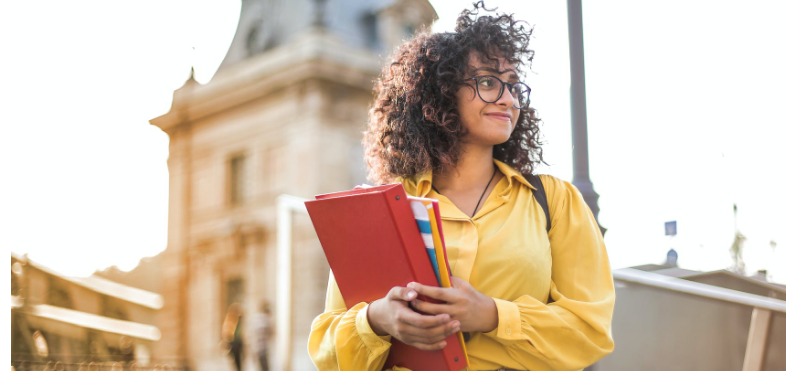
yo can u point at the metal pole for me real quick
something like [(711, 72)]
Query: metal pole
[(284, 284), (578, 109), (285, 207)]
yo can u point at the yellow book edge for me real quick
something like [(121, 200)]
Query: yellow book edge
[(442, 262)]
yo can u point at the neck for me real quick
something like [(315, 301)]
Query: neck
[(474, 169)]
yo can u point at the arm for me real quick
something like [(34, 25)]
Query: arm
[(361, 348), (573, 330), (349, 340)]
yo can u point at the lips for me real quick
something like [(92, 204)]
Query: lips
[(500, 115)]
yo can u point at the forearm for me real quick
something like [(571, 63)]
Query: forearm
[(490, 319), (554, 337), (344, 340), (373, 315)]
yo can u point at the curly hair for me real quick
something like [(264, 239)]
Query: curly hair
[(414, 124)]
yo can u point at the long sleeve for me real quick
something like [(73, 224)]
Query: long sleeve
[(342, 339), (573, 330)]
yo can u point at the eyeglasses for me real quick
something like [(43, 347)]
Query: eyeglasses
[(490, 89)]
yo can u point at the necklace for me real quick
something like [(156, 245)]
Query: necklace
[(481, 196)]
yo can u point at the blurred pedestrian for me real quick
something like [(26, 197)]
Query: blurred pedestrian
[(262, 330), (232, 334)]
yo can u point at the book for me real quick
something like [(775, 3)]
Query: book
[(372, 242), (422, 217)]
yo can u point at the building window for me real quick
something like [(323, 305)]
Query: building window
[(234, 292), (371, 32), (409, 30), (112, 308), (58, 294), (238, 180)]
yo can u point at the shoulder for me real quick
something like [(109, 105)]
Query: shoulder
[(559, 193), (555, 187)]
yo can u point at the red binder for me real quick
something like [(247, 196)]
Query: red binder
[(372, 243)]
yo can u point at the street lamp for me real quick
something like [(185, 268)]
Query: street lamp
[(578, 109)]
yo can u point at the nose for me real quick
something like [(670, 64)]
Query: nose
[(507, 98)]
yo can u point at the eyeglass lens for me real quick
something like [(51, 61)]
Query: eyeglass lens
[(490, 90)]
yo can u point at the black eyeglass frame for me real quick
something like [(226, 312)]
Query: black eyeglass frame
[(504, 85)]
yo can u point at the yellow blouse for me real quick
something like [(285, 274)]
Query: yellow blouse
[(554, 292)]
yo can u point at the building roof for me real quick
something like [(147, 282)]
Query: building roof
[(265, 24), (665, 270), (751, 280), (699, 276), (103, 286)]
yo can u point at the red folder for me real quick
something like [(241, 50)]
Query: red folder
[(372, 243)]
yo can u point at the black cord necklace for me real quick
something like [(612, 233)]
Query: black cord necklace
[(481, 196)]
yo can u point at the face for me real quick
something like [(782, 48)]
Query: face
[(487, 124)]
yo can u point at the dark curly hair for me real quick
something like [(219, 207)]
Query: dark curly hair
[(414, 123)]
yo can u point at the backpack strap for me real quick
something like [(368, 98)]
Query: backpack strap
[(540, 196)]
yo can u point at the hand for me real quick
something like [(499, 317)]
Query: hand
[(391, 315), (476, 312)]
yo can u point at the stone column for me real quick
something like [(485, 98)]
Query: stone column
[(174, 275)]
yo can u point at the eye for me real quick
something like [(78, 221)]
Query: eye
[(487, 82), (519, 89)]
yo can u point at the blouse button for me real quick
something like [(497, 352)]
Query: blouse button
[(508, 331)]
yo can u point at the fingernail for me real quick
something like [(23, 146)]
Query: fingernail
[(411, 284), (410, 295), (442, 344)]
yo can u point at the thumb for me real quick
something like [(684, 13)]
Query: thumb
[(403, 293)]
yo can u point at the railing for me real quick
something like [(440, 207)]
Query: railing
[(762, 307), (90, 366)]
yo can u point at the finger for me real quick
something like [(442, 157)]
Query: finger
[(439, 293), (402, 293), (457, 282), (438, 333), (432, 308), (412, 318), (408, 333), (426, 346)]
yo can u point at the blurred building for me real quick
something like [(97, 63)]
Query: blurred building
[(144, 276), (75, 321), (669, 318), (284, 114)]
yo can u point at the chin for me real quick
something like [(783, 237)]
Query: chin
[(491, 137), (502, 137), (496, 139)]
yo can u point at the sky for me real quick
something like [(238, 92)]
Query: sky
[(684, 103)]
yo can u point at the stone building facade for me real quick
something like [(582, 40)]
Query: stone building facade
[(283, 115)]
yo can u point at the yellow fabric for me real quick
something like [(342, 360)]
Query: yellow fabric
[(554, 292), (443, 270)]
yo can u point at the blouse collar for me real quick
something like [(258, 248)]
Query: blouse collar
[(420, 185)]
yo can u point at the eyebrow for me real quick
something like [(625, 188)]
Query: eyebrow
[(492, 70)]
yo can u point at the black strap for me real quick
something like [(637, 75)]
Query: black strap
[(540, 196)]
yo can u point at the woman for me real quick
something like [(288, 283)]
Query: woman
[(232, 334), (451, 121)]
